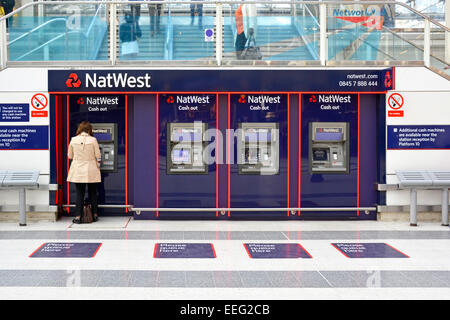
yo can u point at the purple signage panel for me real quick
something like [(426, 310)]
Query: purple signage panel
[(184, 250), (66, 250), (23, 137), (276, 251), (14, 112), (368, 250), (418, 137)]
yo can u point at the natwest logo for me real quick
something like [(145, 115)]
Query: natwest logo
[(73, 81), (117, 80), (335, 98)]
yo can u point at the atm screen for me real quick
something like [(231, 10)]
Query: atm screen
[(181, 156), (103, 136), (328, 134), (320, 154), (261, 135), (187, 135)]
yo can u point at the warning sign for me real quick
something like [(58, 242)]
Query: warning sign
[(39, 102), (395, 102)]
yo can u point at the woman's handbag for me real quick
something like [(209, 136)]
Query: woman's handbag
[(251, 51), (87, 217)]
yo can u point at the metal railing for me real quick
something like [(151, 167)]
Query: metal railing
[(319, 58)]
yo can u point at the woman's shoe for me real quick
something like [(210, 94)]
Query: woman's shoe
[(77, 220)]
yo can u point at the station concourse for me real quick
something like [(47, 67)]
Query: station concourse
[(308, 162)]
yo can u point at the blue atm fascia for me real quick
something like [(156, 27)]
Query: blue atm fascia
[(150, 108)]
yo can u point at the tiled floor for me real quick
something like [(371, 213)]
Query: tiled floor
[(124, 267)]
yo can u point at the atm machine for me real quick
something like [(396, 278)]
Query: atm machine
[(106, 134), (185, 145), (258, 148), (329, 147)]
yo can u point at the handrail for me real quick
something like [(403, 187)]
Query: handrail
[(313, 52), (42, 46), (312, 16), (37, 28), (93, 20), (97, 47)]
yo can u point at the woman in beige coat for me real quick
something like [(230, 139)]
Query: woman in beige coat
[(85, 168)]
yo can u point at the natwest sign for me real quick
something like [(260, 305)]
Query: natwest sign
[(118, 80), (212, 80), (99, 80)]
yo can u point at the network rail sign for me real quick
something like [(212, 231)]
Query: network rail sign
[(115, 81)]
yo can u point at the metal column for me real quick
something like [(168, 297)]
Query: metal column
[(445, 207), (22, 207), (413, 208)]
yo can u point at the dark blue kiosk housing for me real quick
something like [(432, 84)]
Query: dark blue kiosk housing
[(228, 144)]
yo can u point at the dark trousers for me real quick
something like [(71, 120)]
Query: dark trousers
[(241, 40), (199, 8), (154, 10), (135, 11), (93, 197)]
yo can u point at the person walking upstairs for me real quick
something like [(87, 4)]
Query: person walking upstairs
[(129, 33), (246, 24), (197, 8), (154, 11), (8, 7)]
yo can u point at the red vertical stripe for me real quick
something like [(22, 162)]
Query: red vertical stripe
[(393, 78), (299, 149), (57, 148), (288, 154), (217, 154), (126, 152), (157, 154), (359, 147), (228, 154), (67, 150)]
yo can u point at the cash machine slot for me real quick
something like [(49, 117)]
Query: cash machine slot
[(258, 148), (185, 147), (329, 147), (106, 134)]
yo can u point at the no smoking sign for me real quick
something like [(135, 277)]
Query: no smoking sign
[(39, 102), (395, 102)]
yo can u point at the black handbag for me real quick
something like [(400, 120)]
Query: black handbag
[(251, 51)]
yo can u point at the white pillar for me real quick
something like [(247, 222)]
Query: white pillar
[(3, 45), (447, 34), (323, 50), (219, 33), (427, 43), (113, 33)]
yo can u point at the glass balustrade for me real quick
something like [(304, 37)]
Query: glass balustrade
[(187, 31), (440, 58), (58, 33), (372, 33), (281, 33)]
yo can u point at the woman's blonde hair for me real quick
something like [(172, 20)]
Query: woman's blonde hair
[(85, 126)]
